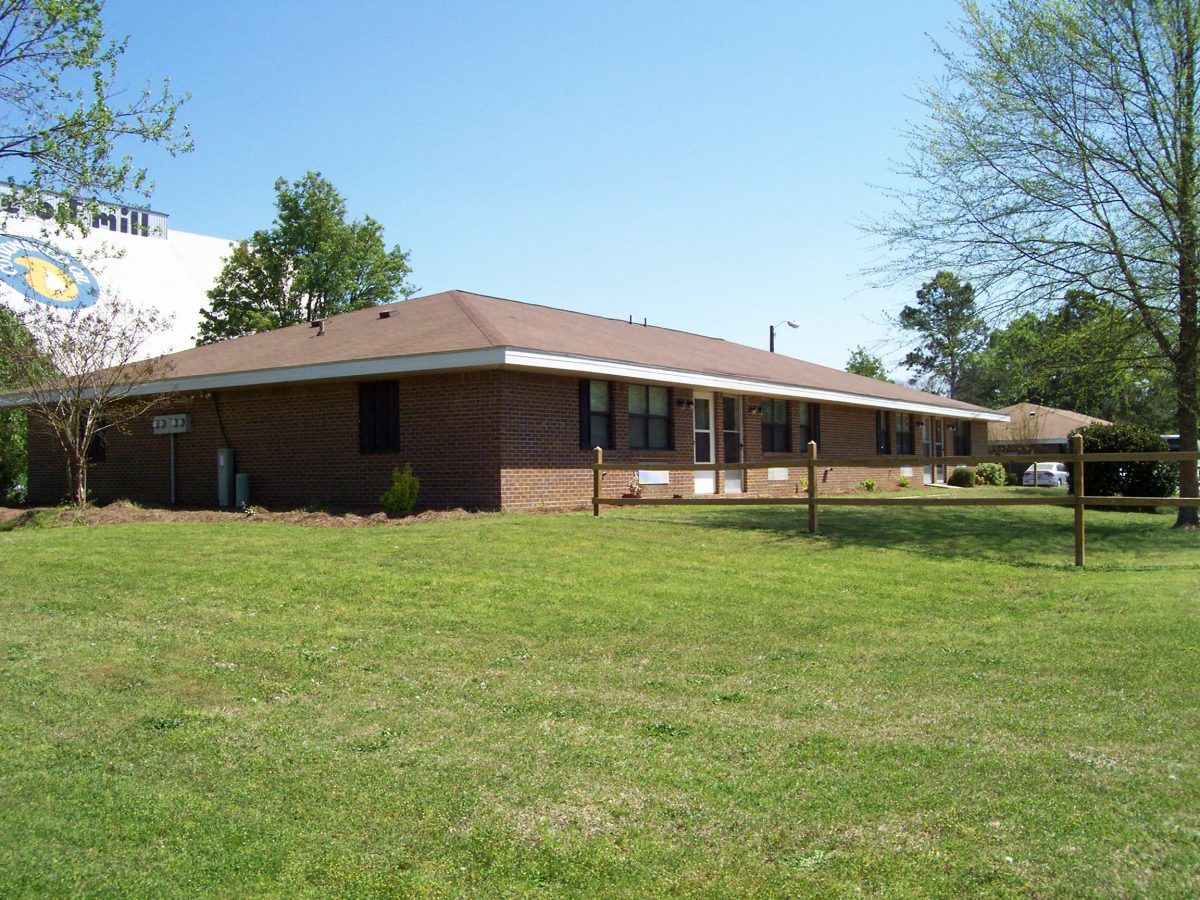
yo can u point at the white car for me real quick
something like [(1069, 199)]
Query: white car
[(1049, 474)]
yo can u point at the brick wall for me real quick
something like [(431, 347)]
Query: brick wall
[(544, 467), (481, 440), (299, 445)]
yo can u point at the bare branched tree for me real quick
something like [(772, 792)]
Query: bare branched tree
[(78, 373), (1061, 152)]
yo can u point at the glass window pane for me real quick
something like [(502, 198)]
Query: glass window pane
[(733, 447), (600, 431), (731, 411), (658, 434), (637, 399), (703, 417), (637, 431), (703, 446), (659, 404), (804, 414), (599, 396)]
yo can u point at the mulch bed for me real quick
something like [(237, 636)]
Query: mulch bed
[(122, 513)]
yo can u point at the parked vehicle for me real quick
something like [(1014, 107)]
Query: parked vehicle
[(1048, 474)]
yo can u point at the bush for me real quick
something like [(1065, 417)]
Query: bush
[(963, 476), (989, 473), (868, 485), (903, 482), (1127, 479), (401, 497), (1013, 479)]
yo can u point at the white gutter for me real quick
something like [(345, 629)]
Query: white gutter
[(539, 360)]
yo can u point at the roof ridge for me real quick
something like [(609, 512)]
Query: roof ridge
[(577, 312), (488, 334)]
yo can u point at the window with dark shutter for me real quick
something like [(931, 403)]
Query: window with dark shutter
[(96, 448), (649, 418), (904, 434), (379, 416), (883, 433), (775, 437), (595, 414), (962, 438)]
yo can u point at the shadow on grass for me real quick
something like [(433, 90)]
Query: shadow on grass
[(1026, 536)]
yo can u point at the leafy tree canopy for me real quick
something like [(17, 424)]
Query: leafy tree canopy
[(310, 264), (949, 331), (12, 422), (862, 362), (1083, 356), (1062, 150), (64, 121)]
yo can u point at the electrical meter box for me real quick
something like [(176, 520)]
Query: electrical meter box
[(176, 423)]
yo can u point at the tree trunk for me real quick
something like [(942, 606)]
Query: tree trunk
[(1186, 388), (79, 478), (1185, 360)]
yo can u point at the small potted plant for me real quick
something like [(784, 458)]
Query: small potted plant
[(633, 489)]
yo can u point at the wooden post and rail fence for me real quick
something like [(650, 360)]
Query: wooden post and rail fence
[(1078, 498)]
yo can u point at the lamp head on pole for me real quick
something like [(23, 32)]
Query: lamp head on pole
[(787, 322)]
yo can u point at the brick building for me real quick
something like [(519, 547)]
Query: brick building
[(496, 404)]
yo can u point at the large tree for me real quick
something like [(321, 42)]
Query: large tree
[(949, 331), (863, 362), (1061, 151), (310, 264), (1084, 355), (65, 121), (12, 421), (80, 373)]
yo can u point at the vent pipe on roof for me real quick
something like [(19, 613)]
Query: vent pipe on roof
[(319, 324), (385, 314)]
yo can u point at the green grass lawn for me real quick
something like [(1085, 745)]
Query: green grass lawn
[(689, 701)]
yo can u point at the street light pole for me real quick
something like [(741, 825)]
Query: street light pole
[(787, 322)]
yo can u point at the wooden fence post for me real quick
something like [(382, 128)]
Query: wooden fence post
[(597, 475), (1077, 485), (812, 487)]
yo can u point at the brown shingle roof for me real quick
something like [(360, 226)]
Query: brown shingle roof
[(458, 321), (1033, 424)]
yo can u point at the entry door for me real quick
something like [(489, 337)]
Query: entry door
[(939, 447), (705, 482), (926, 425), (732, 414)]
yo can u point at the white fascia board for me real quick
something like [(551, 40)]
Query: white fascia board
[(537, 359), (494, 357), (360, 368)]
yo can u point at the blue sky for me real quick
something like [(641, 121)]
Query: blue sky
[(698, 164)]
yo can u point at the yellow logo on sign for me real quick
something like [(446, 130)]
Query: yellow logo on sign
[(48, 279)]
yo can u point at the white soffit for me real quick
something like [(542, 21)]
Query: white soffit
[(538, 360)]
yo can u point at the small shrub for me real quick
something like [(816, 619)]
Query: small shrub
[(904, 482), (989, 473), (401, 497), (963, 476), (1012, 479), (1128, 479), (868, 485)]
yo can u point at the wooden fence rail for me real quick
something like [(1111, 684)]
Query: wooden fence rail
[(813, 462)]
